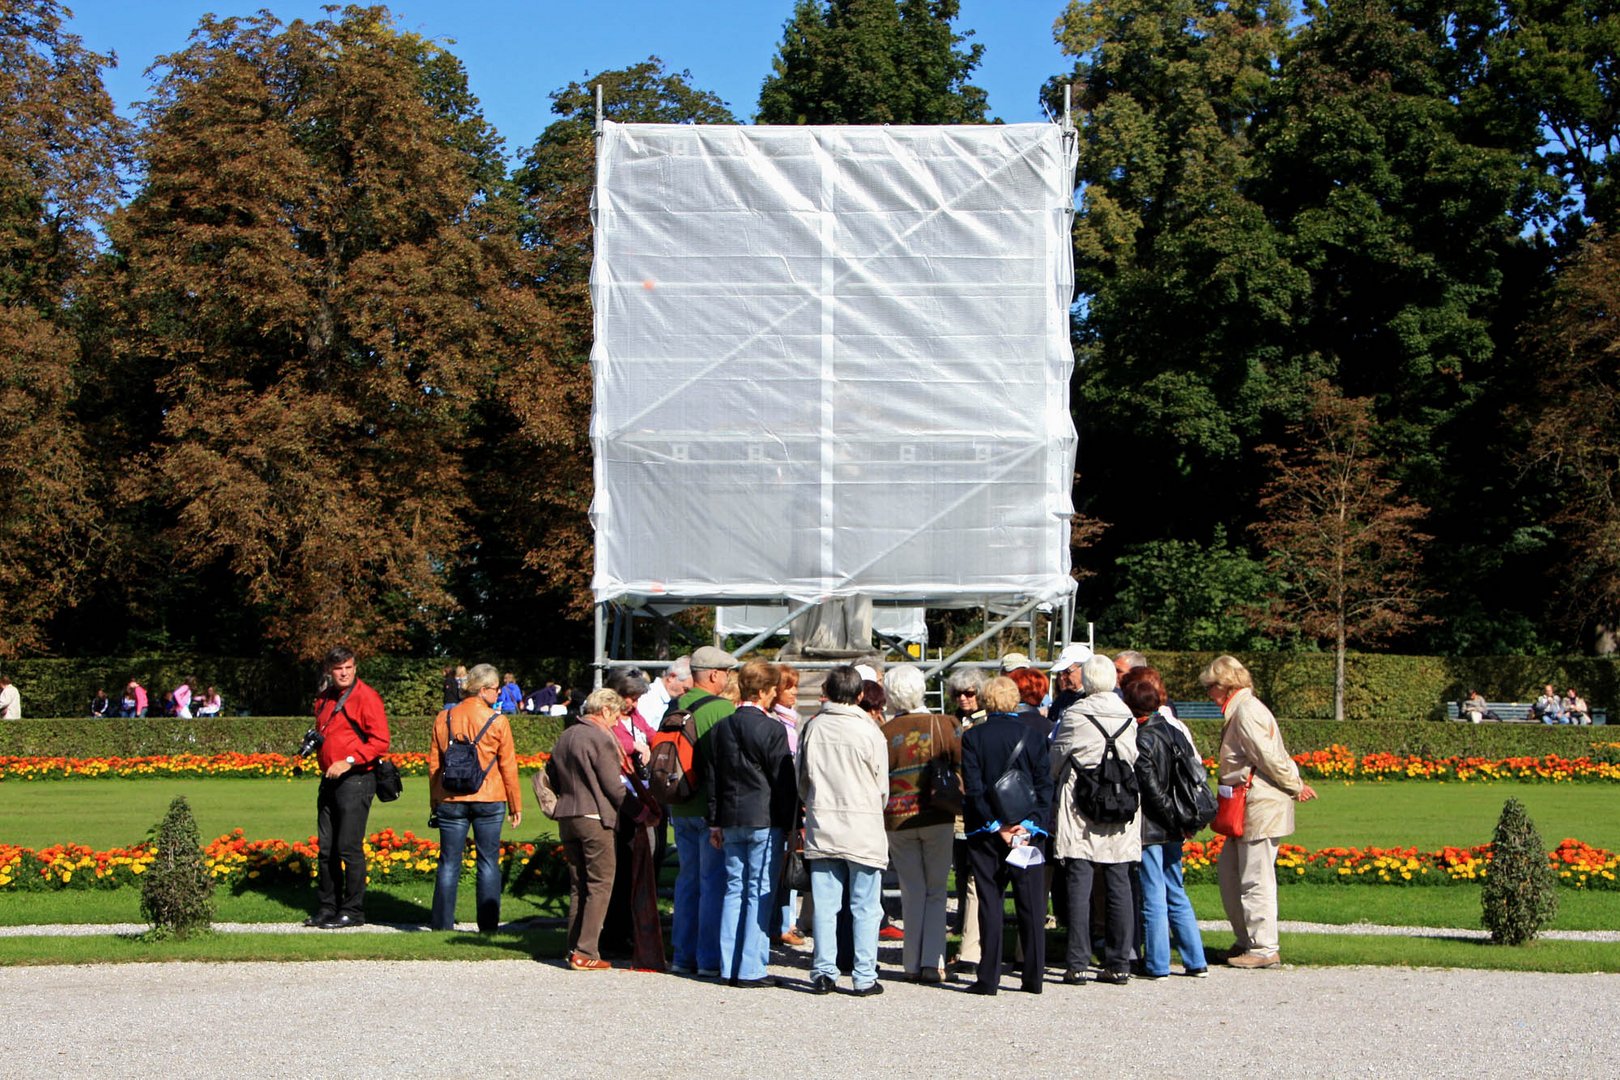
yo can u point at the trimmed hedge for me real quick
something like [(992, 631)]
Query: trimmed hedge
[(265, 686), (1396, 688), (84, 737), (1421, 738)]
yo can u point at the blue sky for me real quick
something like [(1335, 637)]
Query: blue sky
[(517, 53)]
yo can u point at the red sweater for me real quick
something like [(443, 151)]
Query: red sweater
[(364, 707)]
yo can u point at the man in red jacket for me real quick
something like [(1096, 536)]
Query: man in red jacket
[(354, 729)]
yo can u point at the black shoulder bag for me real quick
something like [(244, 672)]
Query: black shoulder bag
[(389, 784), (1013, 795)]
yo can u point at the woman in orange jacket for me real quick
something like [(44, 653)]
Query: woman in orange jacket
[(475, 721)]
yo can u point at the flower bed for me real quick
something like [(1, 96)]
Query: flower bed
[(233, 859), (1578, 865), (1338, 763), (197, 765)]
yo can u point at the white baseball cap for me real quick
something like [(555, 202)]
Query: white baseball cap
[(867, 672), (1013, 661), (1070, 656)]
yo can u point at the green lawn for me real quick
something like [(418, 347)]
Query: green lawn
[(1431, 815)]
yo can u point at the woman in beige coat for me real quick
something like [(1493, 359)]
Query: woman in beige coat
[(1251, 746), (1088, 849)]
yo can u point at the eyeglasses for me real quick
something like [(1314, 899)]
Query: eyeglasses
[(964, 693)]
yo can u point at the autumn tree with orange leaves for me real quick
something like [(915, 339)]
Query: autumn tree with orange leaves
[(1339, 533), (327, 280)]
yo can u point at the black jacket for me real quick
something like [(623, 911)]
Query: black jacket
[(986, 750), (1155, 776), (750, 772)]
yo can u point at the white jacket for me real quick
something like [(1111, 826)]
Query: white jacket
[(1075, 739), (844, 782)]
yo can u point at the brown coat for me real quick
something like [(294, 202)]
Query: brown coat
[(496, 752), (584, 772), (1251, 740)]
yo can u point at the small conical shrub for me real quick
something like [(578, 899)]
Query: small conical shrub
[(177, 894), (1520, 895)]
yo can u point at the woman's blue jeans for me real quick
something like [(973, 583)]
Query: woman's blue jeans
[(455, 819), (1167, 913)]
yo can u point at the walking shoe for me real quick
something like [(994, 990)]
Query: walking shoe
[(872, 990), (822, 984), (1197, 973), (981, 989), (754, 984), (342, 922), (1114, 978), (929, 975), (792, 939), (1074, 977), (891, 933), (708, 973), (1152, 976), (580, 962), (320, 917), (680, 969), (1255, 960)]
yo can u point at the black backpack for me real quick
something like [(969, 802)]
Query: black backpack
[(1190, 797), (459, 773), (1106, 792)]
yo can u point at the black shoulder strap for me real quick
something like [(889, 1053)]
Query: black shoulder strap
[(1018, 748), (481, 730), (675, 704)]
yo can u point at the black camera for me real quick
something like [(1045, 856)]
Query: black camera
[(312, 742)]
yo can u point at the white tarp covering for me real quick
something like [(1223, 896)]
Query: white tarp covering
[(832, 361), (902, 623)]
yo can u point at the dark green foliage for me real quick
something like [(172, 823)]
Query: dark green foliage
[(1183, 594), (1520, 894), (177, 893), (873, 62)]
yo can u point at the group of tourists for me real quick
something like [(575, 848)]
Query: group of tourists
[(1097, 778), (183, 702)]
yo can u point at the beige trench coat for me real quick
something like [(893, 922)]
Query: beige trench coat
[(1073, 835), (1251, 740)]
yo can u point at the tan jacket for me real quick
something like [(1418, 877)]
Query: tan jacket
[(496, 752), (1076, 740), (1251, 740), (584, 772), (844, 783)]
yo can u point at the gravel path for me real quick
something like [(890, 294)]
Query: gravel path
[(512, 1018)]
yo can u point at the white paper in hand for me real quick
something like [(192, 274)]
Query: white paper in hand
[(1025, 856)]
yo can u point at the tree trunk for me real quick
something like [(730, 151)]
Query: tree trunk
[(1338, 674)]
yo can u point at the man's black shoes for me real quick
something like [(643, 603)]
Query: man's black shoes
[(341, 922), (319, 917), (821, 984)]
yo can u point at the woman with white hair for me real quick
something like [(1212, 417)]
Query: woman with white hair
[(923, 747), (1252, 754), (1091, 849)]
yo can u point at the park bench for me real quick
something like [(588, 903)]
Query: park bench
[(1513, 712), (1197, 710)]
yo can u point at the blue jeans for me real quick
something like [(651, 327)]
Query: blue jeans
[(745, 915), (828, 880), (699, 888), (1167, 913), (484, 819)]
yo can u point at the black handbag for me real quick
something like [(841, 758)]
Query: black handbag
[(942, 787), (795, 874), (1013, 794)]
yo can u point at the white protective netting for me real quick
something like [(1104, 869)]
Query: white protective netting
[(832, 361)]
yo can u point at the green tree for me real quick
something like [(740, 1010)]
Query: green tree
[(322, 284), (873, 62), (1520, 894), (177, 892), (1177, 594), (1167, 95), (61, 145), (1342, 538), (540, 470)]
